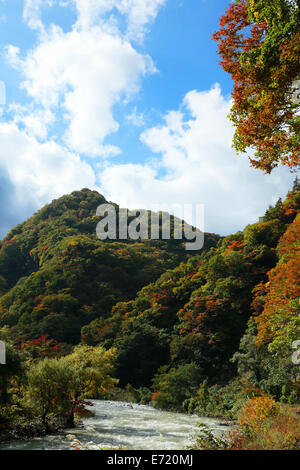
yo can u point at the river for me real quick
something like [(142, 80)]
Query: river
[(126, 425)]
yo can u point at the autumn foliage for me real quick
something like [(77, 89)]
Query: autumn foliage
[(259, 45), (266, 425), (279, 322), (204, 336)]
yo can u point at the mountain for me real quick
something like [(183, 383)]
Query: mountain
[(198, 312), (56, 276), (163, 309)]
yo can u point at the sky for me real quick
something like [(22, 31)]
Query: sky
[(125, 97)]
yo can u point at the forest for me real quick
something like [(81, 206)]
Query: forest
[(213, 332), (197, 332)]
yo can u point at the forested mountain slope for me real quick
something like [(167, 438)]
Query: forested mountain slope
[(198, 312), (56, 276), (209, 333), (164, 310)]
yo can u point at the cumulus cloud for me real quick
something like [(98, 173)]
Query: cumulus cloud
[(32, 12), (34, 173), (90, 72), (138, 13), (84, 73), (197, 165), (10, 213), (135, 118), (73, 80), (36, 122)]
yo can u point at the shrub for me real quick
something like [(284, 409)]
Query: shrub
[(266, 425), (207, 440), (173, 387)]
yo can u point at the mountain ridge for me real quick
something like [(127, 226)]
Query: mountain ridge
[(58, 239)]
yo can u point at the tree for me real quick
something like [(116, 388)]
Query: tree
[(279, 323), (174, 386), (92, 369), (12, 368), (59, 386), (141, 351), (49, 388), (259, 45)]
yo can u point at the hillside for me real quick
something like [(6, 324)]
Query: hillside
[(212, 333), (56, 276), (164, 310), (198, 312)]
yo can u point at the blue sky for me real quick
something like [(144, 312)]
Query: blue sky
[(126, 97)]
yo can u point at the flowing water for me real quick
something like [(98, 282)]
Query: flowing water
[(126, 425)]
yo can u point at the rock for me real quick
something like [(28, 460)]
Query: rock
[(90, 428), (223, 424), (75, 443)]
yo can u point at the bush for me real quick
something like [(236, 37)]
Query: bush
[(49, 388), (173, 387), (218, 401), (267, 425), (207, 440)]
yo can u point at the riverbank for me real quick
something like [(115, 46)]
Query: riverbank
[(28, 430), (263, 424), (127, 426)]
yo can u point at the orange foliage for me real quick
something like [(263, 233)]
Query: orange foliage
[(262, 112), (255, 411), (266, 425), (155, 395), (235, 245), (284, 283), (41, 347)]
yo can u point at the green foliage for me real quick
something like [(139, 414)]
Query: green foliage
[(49, 388), (275, 374), (141, 315), (176, 385), (140, 352), (57, 277), (221, 401), (92, 368), (207, 440), (258, 42), (282, 17), (14, 367), (198, 311), (56, 388)]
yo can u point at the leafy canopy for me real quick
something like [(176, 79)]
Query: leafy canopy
[(259, 45)]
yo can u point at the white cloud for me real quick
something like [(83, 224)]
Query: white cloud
[(32, 12), (138, 13), (75, 78), (12, 55), (84, 73), (36, 122), (38, 171), (80, 76), (199, 167), (90, 11), (135, 118)]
